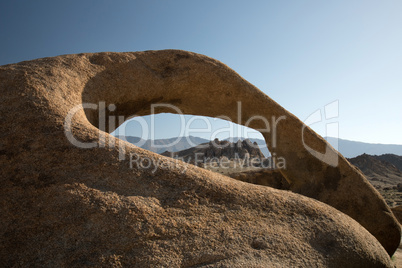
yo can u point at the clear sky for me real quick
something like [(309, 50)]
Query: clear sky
[(303, 54)]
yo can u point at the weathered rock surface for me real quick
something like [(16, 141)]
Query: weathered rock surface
[(63, 205), (267, 177), (398, 213)]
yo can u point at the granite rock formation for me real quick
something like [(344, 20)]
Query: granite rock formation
[(266, 177), (68, 198), (217, 149)]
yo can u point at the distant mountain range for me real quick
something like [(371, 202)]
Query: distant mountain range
[(162, 145), (354, 148), (378, 168), (182, 143), (347, 148), (384, 173)]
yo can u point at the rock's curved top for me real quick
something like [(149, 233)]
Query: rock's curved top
[(64, 205)]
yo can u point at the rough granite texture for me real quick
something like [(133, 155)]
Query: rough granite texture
[(65, 206)]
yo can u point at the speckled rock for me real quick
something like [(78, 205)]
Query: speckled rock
[(87, 205)]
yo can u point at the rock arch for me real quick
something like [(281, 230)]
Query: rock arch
[(85, 201), (203, 86)]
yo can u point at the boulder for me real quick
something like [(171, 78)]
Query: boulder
[(73, 195), (398, 213)]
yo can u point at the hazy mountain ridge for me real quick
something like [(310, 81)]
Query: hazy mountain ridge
[(347, 148), (354, 148), (161, 145)]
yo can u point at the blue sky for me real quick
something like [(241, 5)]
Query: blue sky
[(303, 54)]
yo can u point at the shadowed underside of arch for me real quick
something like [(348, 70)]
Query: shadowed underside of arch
[(99, 208)]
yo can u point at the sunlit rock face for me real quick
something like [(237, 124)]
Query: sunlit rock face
[(73, 195)]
